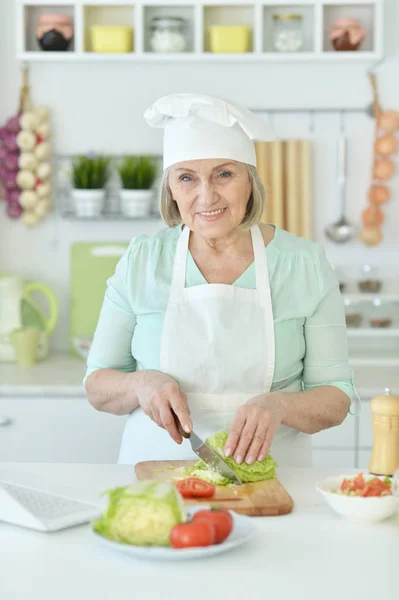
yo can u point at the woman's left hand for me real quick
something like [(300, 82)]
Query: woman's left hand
[(253, 428)]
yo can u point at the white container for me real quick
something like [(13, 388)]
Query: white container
[(167, 34), (288, 32), (136, 203), (88, 203), (356, 508)]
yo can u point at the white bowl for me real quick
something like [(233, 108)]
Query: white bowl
[(357, 508)]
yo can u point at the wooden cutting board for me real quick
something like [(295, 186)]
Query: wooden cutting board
[(263, 498)]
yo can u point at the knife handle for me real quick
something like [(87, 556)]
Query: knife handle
[(179, 427)]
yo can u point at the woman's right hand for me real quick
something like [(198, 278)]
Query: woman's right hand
[(160, 396)]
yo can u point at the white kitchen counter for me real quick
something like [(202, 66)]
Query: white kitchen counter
[(312, 554), (62, 374)]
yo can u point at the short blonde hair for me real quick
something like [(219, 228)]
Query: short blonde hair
[(255, 208)]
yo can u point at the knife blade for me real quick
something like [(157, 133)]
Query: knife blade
[(212, 458), (207, 454)]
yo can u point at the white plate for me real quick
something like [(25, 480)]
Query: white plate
[(243, 530)]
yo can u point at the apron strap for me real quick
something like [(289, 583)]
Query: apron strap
[(261, 270), (265, 300), (179, 268)]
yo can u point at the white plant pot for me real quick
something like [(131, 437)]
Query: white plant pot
[(88, 203), (136, 203)]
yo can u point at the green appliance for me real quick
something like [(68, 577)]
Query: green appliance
[(91, 265)]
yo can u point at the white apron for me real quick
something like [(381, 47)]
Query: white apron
[(218, 344)]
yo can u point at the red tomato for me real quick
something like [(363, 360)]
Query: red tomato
[(195, 488), (221, 520), (191, 535), (374, 487)]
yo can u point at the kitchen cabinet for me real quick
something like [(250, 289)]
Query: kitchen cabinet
[(258, 15), (67, 430)]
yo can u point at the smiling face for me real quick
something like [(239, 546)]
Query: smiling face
[(212, 195)]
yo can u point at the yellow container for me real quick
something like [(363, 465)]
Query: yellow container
[(111, 38), (229, 38)]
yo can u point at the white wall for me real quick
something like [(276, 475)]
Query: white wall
[(99, 107)]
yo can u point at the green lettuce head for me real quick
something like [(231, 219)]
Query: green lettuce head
[(142, 514), (258, 471)]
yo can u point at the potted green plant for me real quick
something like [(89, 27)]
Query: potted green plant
[(137, 175), (89, 177)]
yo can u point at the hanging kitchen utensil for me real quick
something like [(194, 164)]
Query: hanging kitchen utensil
[(341, 231)]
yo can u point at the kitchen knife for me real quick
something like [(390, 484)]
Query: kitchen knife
[(208, 455)]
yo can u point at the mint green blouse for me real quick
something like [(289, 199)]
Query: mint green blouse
[(309, 318)]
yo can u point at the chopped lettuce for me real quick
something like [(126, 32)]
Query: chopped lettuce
[(258, 471), (142, 514), (204, 472)]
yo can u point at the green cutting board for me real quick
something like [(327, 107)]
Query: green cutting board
[(91, 265)]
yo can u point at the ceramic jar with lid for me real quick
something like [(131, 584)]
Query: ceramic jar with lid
[(347, 35), (168, 34), (288, 32), (381, 314), (369, 282), (385, 419), (54, 32), (353, 314)]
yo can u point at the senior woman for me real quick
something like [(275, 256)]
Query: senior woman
[(218, 319)]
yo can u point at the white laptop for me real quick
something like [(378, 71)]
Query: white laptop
[(28, 500)]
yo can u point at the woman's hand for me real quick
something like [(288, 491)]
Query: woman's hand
[(160, 396), (253, 428)]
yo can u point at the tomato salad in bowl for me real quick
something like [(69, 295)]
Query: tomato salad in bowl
[(361, 498)]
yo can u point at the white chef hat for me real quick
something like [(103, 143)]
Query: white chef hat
[(198, 126)]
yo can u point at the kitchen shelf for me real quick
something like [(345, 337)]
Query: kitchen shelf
[(257, 14), (384, 297), (374, 361), (208, 57), (368, 332)]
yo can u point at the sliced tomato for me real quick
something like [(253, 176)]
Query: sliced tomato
[(193, 534), (221, 520), (195, 488), (358, 485)]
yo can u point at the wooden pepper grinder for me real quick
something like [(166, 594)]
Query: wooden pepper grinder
[(385, 419)]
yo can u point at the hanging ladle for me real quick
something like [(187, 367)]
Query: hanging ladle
[(342, 230)]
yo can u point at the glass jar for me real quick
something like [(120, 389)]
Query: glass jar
[(353, 314), (168, 34), (381, 314), (288, 32), (369, 282)]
